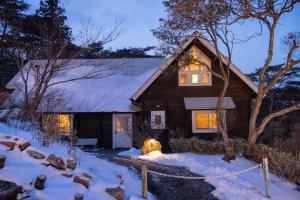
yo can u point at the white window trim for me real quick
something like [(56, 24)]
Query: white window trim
[(189, 73), (214, 130), (162, 113)]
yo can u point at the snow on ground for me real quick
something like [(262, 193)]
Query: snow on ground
[(23, 169), (246, 186)]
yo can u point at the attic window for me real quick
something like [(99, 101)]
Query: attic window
[(197, 71)]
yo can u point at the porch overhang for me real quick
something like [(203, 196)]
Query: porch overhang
[(207, 103)]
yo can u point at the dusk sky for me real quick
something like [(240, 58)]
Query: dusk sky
[(141, 16)]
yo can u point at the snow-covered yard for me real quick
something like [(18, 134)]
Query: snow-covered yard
[(248, 185), (23, 170)]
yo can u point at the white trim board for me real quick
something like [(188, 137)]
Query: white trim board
[(156, 74)]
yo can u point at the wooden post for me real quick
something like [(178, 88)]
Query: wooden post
[(78, 196), (266, 175), (144, 181), (2, 161), (40, 182)]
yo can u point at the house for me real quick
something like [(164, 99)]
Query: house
[(162, 92)]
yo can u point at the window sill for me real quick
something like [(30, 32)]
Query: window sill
[(205, 130)]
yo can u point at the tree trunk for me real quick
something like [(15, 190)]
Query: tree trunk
[(229, 147)]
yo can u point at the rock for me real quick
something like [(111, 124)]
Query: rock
[(36, 155), (56, 162), (78, 196), (9, 190), (40, 182), (71, 164), (10, 145), (2, 161), (23, 146), (67, 175), (117, 193), (87, 175), (45, 164), (84, 182)]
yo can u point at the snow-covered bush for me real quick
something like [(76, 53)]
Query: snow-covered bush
[(284, 164)]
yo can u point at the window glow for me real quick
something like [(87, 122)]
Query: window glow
[(64, 123), (206, 120), (205, 78), (122, 124), (197, 71), (58, 123), (184, 79), (194, 67), (195, 78)]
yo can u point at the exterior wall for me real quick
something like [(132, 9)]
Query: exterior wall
[(94, 125), (165, 94)]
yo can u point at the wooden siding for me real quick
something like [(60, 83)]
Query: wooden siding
[(165, 94), (95, 125)]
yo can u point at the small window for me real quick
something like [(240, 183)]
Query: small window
[(195, 78), (184, 78), (158, 119), (123, 123), (205, 121), (205, 78)]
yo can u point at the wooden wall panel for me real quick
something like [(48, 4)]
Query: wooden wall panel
[(166, 93)]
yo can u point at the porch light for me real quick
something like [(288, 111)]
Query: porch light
[(150, 145)]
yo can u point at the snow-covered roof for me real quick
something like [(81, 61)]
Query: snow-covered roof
[(111, 93), (203, 103)]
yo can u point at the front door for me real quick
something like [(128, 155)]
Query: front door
[(122, 130)]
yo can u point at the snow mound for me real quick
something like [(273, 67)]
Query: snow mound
[(248, 185), (132, 152), (23, 170)]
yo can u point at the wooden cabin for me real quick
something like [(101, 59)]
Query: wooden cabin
[(165, 93)]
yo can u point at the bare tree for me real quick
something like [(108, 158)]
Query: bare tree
[(51, 57), (212, 20), (269, 13)]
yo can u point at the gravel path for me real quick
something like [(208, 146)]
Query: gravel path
[(163, 188), (166, 188)]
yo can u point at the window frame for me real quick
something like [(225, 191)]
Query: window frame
[(186, 69), (162, 115), (208, 130)]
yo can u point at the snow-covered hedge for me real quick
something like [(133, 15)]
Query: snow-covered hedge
[(283, 164)]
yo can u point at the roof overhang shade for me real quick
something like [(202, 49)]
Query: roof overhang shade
[(207, 103)]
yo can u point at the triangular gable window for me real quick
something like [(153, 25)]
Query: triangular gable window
[(194, 69)]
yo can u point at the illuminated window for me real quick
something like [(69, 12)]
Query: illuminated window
[(60, 123), (205, 78), (197, 72), (194, 67), (195, 78), (205, 121), (122, 124), (158, 119), (184, 78)]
